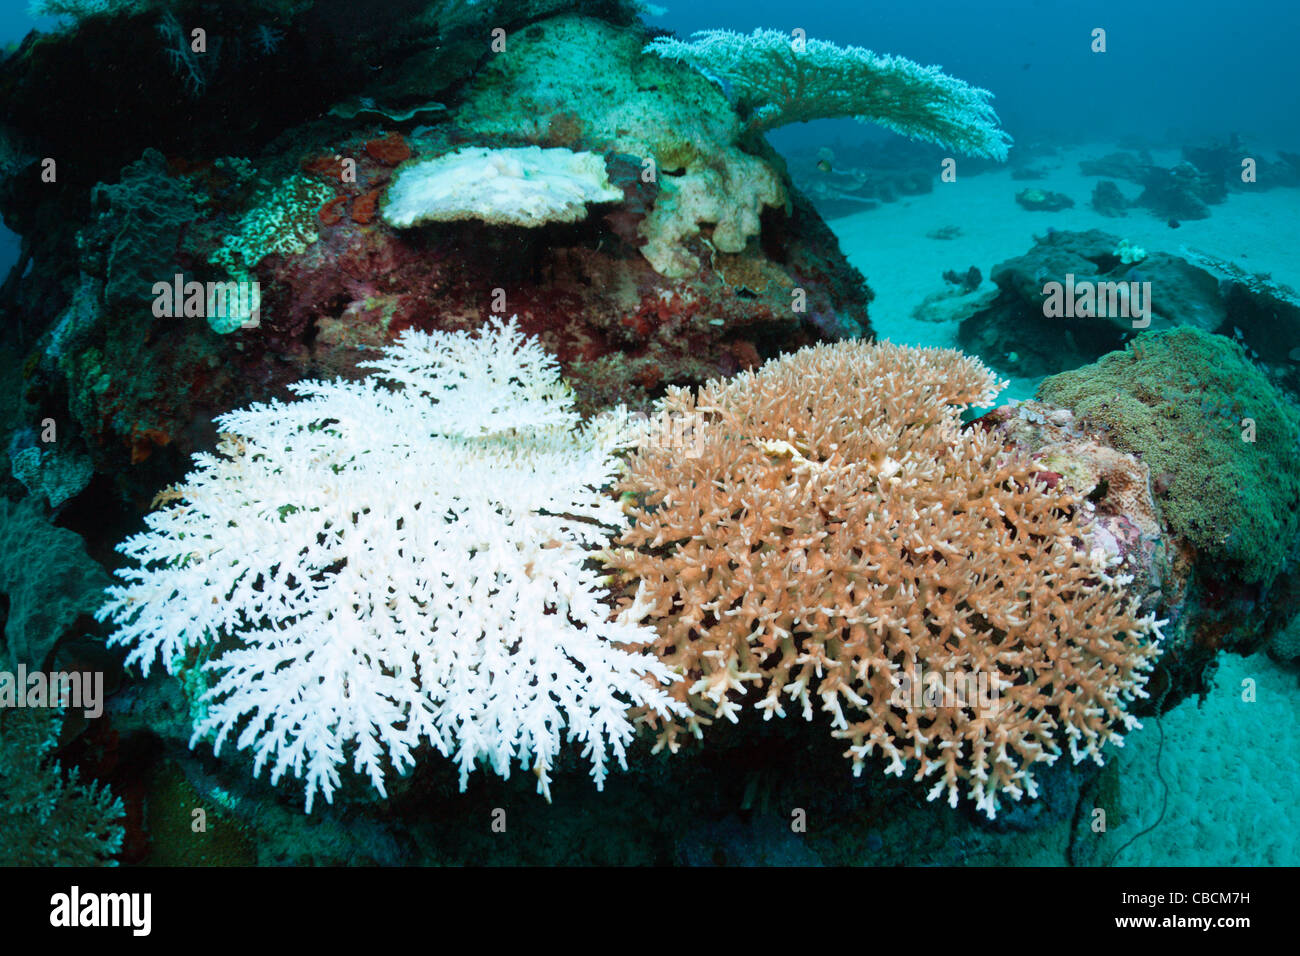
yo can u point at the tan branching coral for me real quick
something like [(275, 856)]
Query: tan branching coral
[(824, 532)]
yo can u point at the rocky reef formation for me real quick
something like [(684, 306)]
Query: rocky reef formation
[(1043, 200), (669, 247), (702, 260), (1192, 459), (1075, 296), (1203, 178), (1222, 445), (1151, 493), (128, 326)]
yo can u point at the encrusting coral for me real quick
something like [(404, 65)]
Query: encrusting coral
[(369, 569), (822, 530)]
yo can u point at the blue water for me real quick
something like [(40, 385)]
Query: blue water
[(1195, 68)]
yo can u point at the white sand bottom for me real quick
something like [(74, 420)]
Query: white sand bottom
[(1260, 231)]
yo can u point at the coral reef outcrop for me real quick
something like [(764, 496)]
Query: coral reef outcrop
[(701, 259)]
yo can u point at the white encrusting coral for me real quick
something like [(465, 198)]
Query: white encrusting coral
[(528, 186), (370, 567)]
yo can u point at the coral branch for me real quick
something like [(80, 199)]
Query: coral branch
[(776, 79)]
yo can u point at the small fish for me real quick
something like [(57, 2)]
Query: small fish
[(1174, 223), (824, 165), (718, 80)]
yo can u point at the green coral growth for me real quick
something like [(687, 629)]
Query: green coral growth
[(48, 817), (282, 223), (1188, 402)]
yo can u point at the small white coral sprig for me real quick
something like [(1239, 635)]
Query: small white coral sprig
[(385, 566), (776, 78)]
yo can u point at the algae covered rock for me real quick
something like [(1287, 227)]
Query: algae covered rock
[(1222, 443), (1043, 200), (49, 579), (1072, 298)]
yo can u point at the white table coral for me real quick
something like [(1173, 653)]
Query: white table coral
[(529, 186), (776, 79), (384, 567)]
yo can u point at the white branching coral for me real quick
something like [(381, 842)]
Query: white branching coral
[(372, 567), (776, 78)]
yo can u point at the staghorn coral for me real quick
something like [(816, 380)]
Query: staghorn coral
[(831, 536), (777, 79)]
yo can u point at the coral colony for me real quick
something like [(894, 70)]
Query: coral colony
[(839, 534), (428, 587), (511, 410)]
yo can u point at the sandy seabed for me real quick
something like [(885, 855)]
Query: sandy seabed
[(1259, 231)]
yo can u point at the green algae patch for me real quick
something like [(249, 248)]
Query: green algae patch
[(1222, 443), (187, 830)]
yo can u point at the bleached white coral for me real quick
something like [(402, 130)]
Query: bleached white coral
[(384, 566), (776, 78), (529, 186)]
